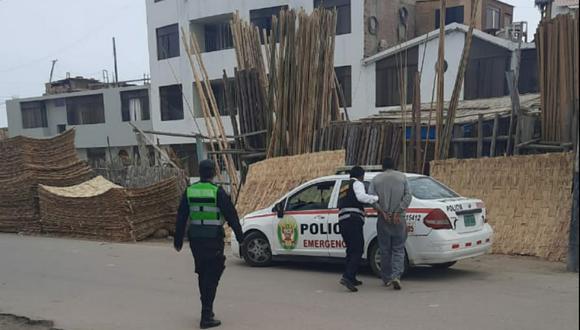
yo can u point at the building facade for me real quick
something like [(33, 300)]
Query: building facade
[(363, 29), (375, 39), (492, 15), (489, 60), (100, 118)]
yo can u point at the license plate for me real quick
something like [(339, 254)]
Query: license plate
[(469, 220)]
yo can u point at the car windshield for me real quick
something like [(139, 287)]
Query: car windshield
[(427, 188)]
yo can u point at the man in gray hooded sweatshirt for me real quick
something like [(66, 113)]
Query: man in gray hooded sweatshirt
[(394, 198)]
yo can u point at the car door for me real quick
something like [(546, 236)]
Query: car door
[(304, 228)]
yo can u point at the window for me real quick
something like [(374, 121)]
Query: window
[(427, 188), (186, 158), (315, 197), (507, 20), (168, 42), (492, 18), (221, 97), (214, 32), (388, 78), (529, 81), (344, 76), (33, 114), (452, 15), (262, 18), (96, 156), (135, 105), (485, 72), (171, 102), (85, 110), (343, 24), (218, 36)]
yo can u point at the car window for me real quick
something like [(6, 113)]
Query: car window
[(427, 188), (315, 197)]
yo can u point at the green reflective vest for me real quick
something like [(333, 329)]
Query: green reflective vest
[(203, 209)]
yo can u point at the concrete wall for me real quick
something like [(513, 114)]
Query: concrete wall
[(87, 136), (387, 13), (425, 14), (425, 18), (504, 9), (454, 43)]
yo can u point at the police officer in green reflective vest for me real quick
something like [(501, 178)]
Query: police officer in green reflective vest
[(205, 207)]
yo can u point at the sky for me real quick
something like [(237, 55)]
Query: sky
[(78, 34)]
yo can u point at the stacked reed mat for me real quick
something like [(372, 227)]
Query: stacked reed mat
[(99, 209), (528, 199), (25, 163), (153, 208), (270, 179)]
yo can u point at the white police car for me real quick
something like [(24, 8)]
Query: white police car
[(443, 226)]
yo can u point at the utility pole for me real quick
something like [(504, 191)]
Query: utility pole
[(573, 242), (52, 70), (115, 58), (440, 79)]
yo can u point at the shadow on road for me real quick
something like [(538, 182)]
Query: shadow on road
[(421, 273)]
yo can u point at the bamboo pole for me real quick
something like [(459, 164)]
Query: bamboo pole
[(441, 75), (453, 104)]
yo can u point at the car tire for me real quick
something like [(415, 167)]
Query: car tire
[(256, 250), (445, 265), (374, 259)]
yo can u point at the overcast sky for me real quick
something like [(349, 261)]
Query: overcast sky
[(78, 34)]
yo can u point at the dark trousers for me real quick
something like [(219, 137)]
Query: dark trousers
[(208, 254), (351, 230)]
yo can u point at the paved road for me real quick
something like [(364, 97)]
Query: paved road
[(89, 285)]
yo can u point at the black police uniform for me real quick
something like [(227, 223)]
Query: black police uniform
[(207, 249), (351, 221)]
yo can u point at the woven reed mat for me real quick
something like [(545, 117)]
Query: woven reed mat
[(528, 199)]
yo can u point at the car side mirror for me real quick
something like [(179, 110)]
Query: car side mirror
[(279, 209)]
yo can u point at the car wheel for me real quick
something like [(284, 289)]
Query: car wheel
[(444, 265), (374, 258), (256, 250)]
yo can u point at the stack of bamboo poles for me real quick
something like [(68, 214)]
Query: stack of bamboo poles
[(210, 110), (557, 43), (253, 112), (300, 85), (446, 135), (366, 143)]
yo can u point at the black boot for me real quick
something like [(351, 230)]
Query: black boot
[(208, 319), (209, 322)]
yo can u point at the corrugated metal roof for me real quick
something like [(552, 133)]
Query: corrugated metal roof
[(467, 111)]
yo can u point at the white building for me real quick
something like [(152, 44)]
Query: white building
[(171, 72), (366, 60), (100, 116), (490, 58)]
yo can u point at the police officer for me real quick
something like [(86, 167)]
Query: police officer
[(205, 206), (351, 215)]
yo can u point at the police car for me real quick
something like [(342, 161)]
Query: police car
[(443, 227)]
